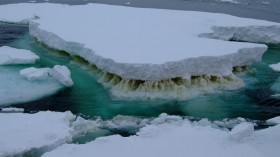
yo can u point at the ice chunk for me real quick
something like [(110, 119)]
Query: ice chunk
[(229, 1), (9, 55), (241, 131), (35, 73), (273, 121), (12, 109), (62, 74), (21, 132), (275, 67)]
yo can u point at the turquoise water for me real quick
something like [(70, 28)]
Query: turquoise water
[(88, 98)]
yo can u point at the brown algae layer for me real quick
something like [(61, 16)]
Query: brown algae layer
[(175, 88)]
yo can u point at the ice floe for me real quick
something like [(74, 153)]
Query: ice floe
[(16, 89), (169, 135), (150, 48), (42, 131), (30, 84), (61, 73), (9, 55), (273, 121), (275, 67), (11, 109), (32, 73)]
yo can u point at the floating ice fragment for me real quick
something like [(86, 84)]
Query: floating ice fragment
[(275, 67), (9, 55), (12, 109), (35, 74), (62, 74)]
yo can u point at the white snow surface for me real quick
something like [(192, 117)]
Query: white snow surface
[(60, 72), (17, 89), (12, 109), (229, 1), (9, 55), (275, 67), (21, 132), (169, 135), (273, 121), (140, 43), (32, 73), (163, 136)]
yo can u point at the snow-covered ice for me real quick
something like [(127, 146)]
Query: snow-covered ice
[(60, 72), (32, 83), (241, 131), (32, 73), (273, 121), (154, 53), (275, 67), (12, 109), (145, 44), (9, 55), (229, 1), (169, 135), (162, 136), (17, 89), (21, 132)]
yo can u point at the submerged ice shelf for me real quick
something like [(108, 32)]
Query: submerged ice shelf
[(145, 50)]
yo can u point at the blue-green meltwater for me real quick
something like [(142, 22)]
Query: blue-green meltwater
[(90, 99)]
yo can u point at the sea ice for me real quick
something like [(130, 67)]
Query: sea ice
[(273, 121), (32, 73), (61, 73), (9, 55), (16, 89), (275, 67), (12, 109), (241, 131), (145, 44), (154, 53), (167, 136), (41, 131)]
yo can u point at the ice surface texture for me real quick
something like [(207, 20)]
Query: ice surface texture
[(150, 45), (61, 73), (9, 55), (142, 44), (161, 136), (169, 135), (21, 132), (32, 83)]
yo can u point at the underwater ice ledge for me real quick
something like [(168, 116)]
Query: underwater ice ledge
[(161, 81), (152, 71)]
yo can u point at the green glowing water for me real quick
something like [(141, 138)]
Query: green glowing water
[(89, 98)]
